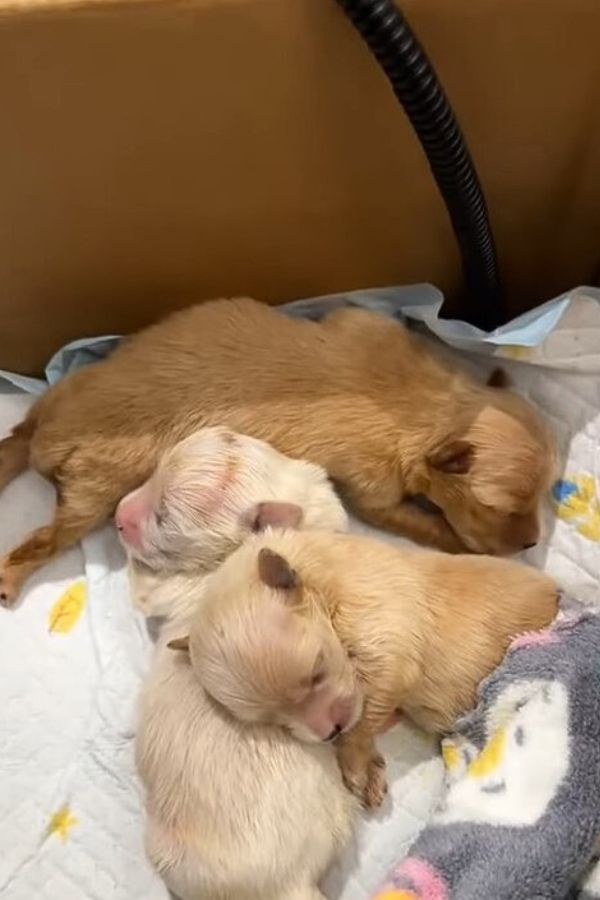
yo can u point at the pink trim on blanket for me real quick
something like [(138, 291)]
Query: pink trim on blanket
[(535, 639), (423, 877)]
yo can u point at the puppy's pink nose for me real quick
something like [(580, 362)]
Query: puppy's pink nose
[(129, 518), (340, 713)]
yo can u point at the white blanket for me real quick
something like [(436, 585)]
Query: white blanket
[(74, 652)]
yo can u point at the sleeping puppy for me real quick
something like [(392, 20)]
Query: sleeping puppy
[(207, 494), (234, 812), (288, 618), (355, 393)]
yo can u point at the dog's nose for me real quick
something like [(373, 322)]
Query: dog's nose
[(333, 734), (127, 525)]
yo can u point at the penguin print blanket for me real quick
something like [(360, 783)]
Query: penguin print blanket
[(520, 816)]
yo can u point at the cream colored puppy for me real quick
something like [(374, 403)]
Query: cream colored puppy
[(283, 615), (234, 813), (209, 493)]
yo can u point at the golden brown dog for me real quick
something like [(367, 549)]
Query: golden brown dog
[(289, 616), (355, 393)]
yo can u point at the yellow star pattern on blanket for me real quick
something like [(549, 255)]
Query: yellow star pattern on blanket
[(576, 501), (66, 611), (61, 823)]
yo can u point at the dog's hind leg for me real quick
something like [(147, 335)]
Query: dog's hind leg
[(67, 528), (14, 453), (84, 502)]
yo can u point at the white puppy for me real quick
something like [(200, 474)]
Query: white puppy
[(234, 812), (208, 493)]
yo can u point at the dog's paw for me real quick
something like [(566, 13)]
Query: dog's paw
[(10, 584), (368, 784), (376, 785), (356, 781)]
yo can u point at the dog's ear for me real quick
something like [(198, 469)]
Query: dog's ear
[(455, 457), (498, 379), (182, 643), (273, 514), (276, 572)]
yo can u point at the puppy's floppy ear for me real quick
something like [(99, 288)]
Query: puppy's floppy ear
[(498, 379), (455, 457), (273, 514), (182, 643), (275, 571)]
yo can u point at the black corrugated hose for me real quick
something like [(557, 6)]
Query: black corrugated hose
[(415, 84)]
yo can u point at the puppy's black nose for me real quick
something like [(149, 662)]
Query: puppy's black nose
[(529, 546), (336, 731)]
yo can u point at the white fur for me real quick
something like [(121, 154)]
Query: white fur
[(203, 522), (235, 812)]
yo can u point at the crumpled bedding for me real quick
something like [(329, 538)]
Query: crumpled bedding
[(75, 651), (519, 817)]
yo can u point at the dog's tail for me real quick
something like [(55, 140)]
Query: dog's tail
[(14, 451)]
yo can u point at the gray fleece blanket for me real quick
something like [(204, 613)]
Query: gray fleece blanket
[(520, 817)]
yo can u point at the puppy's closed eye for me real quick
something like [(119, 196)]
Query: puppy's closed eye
[(319, 674), (160, 515), (314, 680)]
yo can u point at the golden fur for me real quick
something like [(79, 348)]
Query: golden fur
[(421, 629), (355, 393)]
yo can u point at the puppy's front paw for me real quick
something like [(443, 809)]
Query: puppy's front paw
[(356, 781), (376, 787), (368, 784)]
